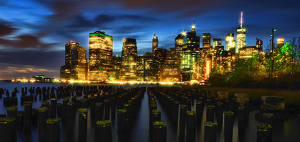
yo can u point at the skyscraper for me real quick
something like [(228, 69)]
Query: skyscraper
[(230, 42), (129, 60), (160, 55), (171, 69), (259, 44), (100, 55), (180, 41), (206, 40), (116, 62), (154, 44), (192, 40), (147, 67), (75, 62), (190, 53), (280, 42), (216, 42), (240, 36)]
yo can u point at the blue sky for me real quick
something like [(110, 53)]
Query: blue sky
[(33, 32)]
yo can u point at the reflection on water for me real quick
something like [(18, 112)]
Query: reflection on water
[(282, 131)]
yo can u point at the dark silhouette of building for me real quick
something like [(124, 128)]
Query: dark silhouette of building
[(259, 44)]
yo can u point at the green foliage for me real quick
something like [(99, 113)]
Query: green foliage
[(255, 71), (284, 60), (216, 78)]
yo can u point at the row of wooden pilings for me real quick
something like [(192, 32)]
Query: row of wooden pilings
[(44, 93), (185, 109), (49, 118)]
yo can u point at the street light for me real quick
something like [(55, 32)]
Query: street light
[(273, 31)]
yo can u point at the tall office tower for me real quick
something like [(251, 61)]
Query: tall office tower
[(224, 61), (240, 36), (160, 55), (259, 44), (147, 67), (188, 61), (154, 44), (189, 55), (217, 43), (206, 41), (171, 69), (116, 62), (75, 62), (280, 42), (100, 54), (248, 52), (179, 43), (230, 42), (192, 41), (129, 60)]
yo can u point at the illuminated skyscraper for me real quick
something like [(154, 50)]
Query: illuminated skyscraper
[(280, 42), (129, 60), (100, 55), (75, 62), (179, 43), (147, 67), (229, 42), (192, 41), (190, 53), (206, 40), (154, 44), (241, 36), (171, 69), (216, 42), (160, 55), (116, 62)]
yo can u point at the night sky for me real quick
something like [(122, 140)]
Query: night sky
[(33, 32)]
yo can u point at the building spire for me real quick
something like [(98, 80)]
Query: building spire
[(241, 19), (193, 27)]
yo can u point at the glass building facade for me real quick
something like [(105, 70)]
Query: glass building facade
[(100, 55), (229, 42), (129, 60), (75, 62)]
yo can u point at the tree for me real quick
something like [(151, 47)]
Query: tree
[(284, 60)]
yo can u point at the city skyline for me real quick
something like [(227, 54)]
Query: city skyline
[(33, 43)]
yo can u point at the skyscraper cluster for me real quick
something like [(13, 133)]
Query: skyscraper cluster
[(187, 61)]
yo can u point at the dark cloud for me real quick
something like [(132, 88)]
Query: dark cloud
[(6, 29), (103, 18), (129, 29), (138, 18), (25, 41), (63, 9)]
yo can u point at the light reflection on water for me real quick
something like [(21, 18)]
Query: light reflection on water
[(282, 131)]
